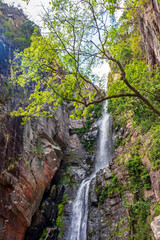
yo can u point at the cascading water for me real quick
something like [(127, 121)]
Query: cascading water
[(78, 229), (104, 144)]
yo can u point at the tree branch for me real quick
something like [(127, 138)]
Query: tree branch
[(124, 79), (110, 97)]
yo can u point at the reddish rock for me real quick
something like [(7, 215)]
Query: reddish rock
[(39, 150)]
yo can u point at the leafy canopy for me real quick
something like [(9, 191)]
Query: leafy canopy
[(60, 64)]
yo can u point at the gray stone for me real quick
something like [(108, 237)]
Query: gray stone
[(155, 225), (105, 219), (74, 124), (121, 131)]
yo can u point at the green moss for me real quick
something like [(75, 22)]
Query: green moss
[(64, 180), (157, 209), (138, 174), (138, 215), (38, 150), (120, 230), (8, 35), (65, 198), (114, 187), (59, 220), (60, 215)]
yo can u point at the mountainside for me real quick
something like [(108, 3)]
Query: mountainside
[(44, 162)]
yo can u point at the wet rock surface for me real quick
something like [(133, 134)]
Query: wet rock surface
[(110, 217)]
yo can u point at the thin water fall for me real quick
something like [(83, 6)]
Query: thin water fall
[(78, 228)]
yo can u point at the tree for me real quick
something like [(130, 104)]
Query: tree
[(61, 63)]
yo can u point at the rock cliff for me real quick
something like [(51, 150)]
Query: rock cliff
[(30, 156), (150, 30)]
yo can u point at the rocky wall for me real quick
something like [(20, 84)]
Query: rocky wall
[(52, 219), (108, 219), (150, 31), (30, 156)]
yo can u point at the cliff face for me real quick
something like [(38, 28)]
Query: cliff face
[(30, 156), (15, 32), (6, 53), (107, 218), (150, 30), (52, 219)]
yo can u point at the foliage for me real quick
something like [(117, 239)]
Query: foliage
[(138, 180), (43, 236), (93, 113), (114, 187), (139, 213), (38, 150), (61, 64), (64, 180), (59, 220), (157, 209), (148, 83), (154, 152), (139, 176), (120, 230), (19, 34)]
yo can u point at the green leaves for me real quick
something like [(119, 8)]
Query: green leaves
[(52, 75), (111, 189), (139, 176), (60, 64)]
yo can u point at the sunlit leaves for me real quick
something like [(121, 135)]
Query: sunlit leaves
[(52, 76), (60, 64)]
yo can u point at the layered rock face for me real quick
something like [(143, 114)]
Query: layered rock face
[(150, 31), (30, 156)]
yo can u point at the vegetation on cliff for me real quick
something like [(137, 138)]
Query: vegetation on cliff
[(15, 26)]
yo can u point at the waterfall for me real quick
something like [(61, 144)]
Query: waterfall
[(78, 229), (104, 145)]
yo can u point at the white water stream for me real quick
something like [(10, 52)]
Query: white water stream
[(78, 229)]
